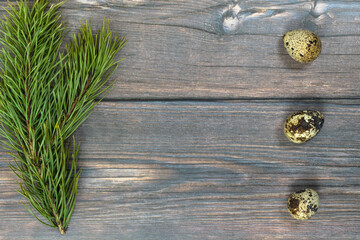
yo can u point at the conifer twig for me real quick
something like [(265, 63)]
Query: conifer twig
[(45, 95)]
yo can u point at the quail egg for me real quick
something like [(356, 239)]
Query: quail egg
[(303, 204), (302, 45), (302, 126)]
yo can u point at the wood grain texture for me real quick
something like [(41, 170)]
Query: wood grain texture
[(201, 170), (226, 49), (155, 167)]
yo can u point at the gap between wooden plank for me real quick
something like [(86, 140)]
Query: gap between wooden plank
[(252, 99)]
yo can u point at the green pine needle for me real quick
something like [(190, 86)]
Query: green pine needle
[(45, 95)]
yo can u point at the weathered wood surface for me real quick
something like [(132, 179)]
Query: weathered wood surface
[(204, 168), (228, 49), (190, 170)]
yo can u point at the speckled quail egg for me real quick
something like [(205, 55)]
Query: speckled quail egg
[(302, 126), (302, 45), (303, 204)]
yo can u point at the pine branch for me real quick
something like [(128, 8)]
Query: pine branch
[(44, 97), (69, 113)]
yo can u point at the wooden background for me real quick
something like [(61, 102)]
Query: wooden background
[(189, 143)]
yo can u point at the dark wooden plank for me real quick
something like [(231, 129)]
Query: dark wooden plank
[(228, 49), (221, 49), (204, 170)]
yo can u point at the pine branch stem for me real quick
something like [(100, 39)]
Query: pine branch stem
[(62, 231), (87, 84), (56, 215), (28, 110), (58, 221)]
